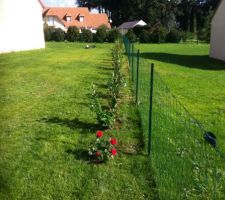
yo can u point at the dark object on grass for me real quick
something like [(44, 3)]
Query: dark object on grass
[(210, 138), (90, 47)]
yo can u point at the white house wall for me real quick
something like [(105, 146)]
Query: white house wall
[(21, 26), (217, 48)]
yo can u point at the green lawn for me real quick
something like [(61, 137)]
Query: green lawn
[(46, 126), (195, 79)]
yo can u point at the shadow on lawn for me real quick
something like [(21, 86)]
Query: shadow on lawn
[(79, 154), (106, 68), (192, 61), (73, 124)]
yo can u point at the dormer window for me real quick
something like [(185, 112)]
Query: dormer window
[(68, 18), (81, 18)]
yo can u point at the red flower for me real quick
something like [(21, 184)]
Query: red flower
[(98, 153), (99, 134), (113, 151), (113, 141)]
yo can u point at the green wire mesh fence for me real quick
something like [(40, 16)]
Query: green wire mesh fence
[(185, 158)]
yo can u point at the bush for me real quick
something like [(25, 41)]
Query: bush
[(138, 29), (73, 34), (58, 35), (102, 149), (203, 35), (158, 35), (86, 36), (173, 37), (48, 31), (144, 36), (113, 35), (101, 34), (131, 36)]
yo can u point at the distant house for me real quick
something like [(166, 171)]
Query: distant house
[(217, 43), (21, 25), (63, 17), (123, 28)]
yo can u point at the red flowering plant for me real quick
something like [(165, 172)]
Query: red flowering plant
[(102, 150)]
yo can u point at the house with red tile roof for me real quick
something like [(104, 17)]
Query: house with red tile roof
[(15, 33), (63, 17)]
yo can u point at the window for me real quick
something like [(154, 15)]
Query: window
[(81, 18), (51, 21), (68, 18)]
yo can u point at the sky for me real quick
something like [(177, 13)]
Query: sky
[(63, 3), (60, 3)]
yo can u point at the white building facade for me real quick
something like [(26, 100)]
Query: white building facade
[(21, 25), (217, 43)]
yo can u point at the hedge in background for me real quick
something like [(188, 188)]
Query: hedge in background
[(58, 35), (101, 34), (48, 31), (113, 35), (173, 36), (144, 36), (86, 36), (131, 36), (73, 34), (158, 35)]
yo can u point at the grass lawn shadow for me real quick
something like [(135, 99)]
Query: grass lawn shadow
[(192, 61), (79, 154), (72, 124)]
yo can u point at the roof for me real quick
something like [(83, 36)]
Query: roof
[(90, 20), (128, 25)]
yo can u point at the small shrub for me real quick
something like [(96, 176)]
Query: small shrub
[(101, 34), (113, 35), (102, 150), (58, 35), (173, 36), (144, 36), (105, 118), (86, 36), (131, 36), (73, 34)]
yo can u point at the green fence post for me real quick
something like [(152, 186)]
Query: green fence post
[(150, 108), (132, 62), (137, 78)]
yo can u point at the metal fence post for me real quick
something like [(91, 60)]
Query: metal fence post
[(137, 78), (132, 53), (150, 109)]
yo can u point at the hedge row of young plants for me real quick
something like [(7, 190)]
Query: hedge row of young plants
[(73, 34), (103, 148), (106, 115)]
